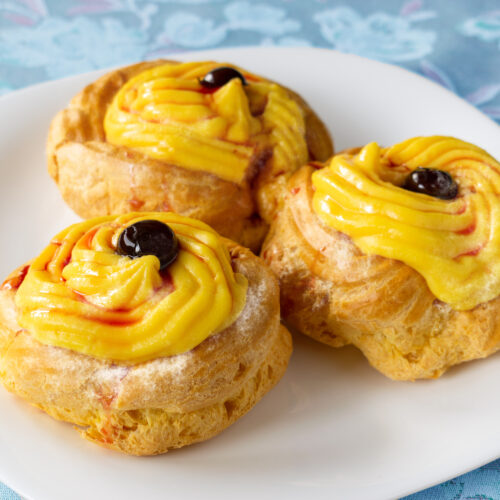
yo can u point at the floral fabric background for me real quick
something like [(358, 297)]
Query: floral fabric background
[(455, 43)]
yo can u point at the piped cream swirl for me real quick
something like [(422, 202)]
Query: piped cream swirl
[(165, 113), (79, 294), (454, 245)]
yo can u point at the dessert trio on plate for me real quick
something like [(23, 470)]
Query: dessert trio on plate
[(151, 324)]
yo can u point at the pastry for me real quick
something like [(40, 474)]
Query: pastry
[(148, 331), (397, 251), (202, 139)]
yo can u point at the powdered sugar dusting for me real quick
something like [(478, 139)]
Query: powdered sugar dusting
[(111, 374), (256, 296), (171, 366)]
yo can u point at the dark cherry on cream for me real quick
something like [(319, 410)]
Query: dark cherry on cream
[(149, 237), (218, 77), (432, 182)]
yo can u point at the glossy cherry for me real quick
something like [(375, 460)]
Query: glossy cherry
[(218, 77), (149, 237), (432, 182)]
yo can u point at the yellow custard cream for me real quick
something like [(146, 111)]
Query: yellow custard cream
[(80, 294), (454, 245), (167, 114)]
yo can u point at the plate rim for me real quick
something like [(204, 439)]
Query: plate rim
[(92, 74)]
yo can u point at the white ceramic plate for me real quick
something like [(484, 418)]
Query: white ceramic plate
[(333, 427)]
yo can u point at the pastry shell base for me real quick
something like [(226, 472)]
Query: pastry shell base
[(165, 403), (337, 295)]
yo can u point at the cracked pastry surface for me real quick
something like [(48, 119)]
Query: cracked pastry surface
[(410, 279), (113, 364), (150, 137)]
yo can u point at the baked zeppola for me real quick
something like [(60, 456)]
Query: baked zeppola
[(395, 250), (207, 140), (148, 331)]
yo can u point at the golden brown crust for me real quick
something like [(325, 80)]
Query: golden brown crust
[(96, 178), (164, 403), (334, 293), (151, 431), (319, 142)]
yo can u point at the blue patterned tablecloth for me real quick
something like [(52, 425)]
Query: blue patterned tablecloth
[(455, 43)]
